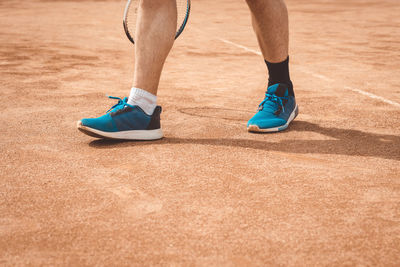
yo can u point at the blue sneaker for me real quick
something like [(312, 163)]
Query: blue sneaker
[(275, 112), (124, 121)]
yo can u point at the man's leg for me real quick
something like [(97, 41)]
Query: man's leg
[(270, 23), (138, 117), (155, 35)]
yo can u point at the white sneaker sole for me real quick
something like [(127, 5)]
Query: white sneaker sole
[(293, 115), (124, 135)]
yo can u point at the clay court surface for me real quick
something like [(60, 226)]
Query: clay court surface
[(324, 192)]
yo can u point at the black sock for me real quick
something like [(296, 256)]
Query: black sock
[(279, 73)]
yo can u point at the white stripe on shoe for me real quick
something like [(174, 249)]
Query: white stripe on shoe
[(123, 135), (293, 115)]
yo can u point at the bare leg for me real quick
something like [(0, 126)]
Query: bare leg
[(270, 22), (156, 27)]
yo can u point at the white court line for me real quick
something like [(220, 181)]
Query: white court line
[(240, 46), (372, 96), (316, 75), (320, 76)]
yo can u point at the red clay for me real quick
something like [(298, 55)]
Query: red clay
[(324, 192)]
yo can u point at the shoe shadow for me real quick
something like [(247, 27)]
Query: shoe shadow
[(347, 142)]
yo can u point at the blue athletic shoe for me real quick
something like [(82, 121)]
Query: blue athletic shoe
[(275, 112), (124, 121)]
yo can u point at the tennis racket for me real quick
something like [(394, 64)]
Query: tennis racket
[(130, 16)]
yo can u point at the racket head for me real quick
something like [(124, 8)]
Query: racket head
[(130, 16)]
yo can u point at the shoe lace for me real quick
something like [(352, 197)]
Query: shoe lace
[(273, 100), (121, 103)]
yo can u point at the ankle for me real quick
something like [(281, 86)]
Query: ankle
[(143, 99), (279, 73)]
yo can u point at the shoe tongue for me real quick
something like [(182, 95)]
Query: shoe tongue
[(279, 89)]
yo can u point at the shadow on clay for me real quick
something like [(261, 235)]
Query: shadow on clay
[(347, 142)]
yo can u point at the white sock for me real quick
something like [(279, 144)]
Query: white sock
[(143, 99)]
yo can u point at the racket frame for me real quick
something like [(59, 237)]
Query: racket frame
[(180, 30)]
